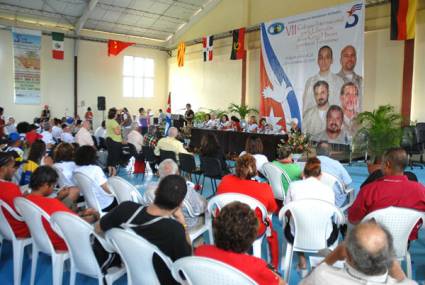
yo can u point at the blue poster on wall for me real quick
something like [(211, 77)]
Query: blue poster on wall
[(26, 52)]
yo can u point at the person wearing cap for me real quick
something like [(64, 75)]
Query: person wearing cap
[(9, 191), (14, 143)]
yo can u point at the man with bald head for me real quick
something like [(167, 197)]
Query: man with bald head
[(170, 143), (348, 62), (369, 258), (393, 189)]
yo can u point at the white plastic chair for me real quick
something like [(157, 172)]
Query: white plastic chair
[(18, 244), (274, 176), (400, 223), (77, 234), (311, 219), (330, 180), (198, 231), (137, 253), (86, 185), (123, 190), (219, 201), (33, 216), (207, 271)]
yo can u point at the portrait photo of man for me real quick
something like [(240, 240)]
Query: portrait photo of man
[(314, 119), (348, 62), (334, 132), (349, 98)]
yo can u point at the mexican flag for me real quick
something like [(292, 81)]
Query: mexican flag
[(57, 45)]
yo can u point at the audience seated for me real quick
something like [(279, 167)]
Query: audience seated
[(254, 146), (63, 156), (56, 129), (235, 229), (369, 259), (285, 163), (66, 135), (393, 189), (14, 143), (335, 168), (100, 133), (210, 147), (197, 203), (309, 188), (151, 139), (252, 125), (212, 122), (134, 137), (224, 123), (42, 182), (9, 191), (376, 174), (161, 223), (83, 136), (235, 124), (31, 135), (47, 136), (85, 158), (37, 156), (170, 143)]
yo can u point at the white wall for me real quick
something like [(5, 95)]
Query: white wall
[(98, 75)]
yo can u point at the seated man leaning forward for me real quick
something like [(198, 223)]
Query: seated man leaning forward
[(161, 223), (193, 199), (235, 229), (170, 143), (368, 253)]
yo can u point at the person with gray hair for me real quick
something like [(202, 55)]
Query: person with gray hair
[(194, 205), (335, 168), (83, 136), (170, 143), (135, 137), (369, 258)]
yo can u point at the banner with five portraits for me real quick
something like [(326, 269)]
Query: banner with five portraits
[(311, 71)]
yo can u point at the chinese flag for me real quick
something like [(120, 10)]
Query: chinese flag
[(115, 47)]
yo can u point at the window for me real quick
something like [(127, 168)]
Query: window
[(138, 77)]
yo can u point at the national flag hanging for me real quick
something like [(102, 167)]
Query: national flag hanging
[(207, 43), (403, 18), (180, 54), (57, 45), (238, 46), (168, 115), (115, 47)]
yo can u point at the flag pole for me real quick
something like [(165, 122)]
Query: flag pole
[(406, 96)]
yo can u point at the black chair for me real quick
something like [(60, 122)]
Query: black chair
[(148, 157), (409, 142), (211, 168), (188, 165), (165, 154)]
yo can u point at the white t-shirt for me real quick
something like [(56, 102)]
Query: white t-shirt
[(47, 137), (67, 169), (98, 177), (56, 132), (100, 133), (67, 137), (252, 127)]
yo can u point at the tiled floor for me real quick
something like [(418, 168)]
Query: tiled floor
[(358, 173)]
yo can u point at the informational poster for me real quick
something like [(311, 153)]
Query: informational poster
[(311, 71), (26, 52)]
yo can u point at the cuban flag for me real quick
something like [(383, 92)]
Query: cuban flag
[(168, 115), (278, 104)]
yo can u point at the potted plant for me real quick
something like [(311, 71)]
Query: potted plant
[(298, 143), (382, 130), (241, 110), (199, 117)]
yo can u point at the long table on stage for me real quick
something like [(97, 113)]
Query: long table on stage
[(234, 142)]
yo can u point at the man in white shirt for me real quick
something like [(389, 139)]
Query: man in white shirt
[(368, 253), (47, 136), (56, 129), (83, 136), (324, 60), (334, 132), (314, 119), (66, 135), (348, 62), (350, 106)]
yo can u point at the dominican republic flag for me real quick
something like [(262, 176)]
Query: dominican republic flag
[(238, 46), (168, 115), (57, 45), (207, 43), (403, 19)]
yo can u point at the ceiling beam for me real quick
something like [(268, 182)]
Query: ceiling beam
[(86, 14), (192, 21)]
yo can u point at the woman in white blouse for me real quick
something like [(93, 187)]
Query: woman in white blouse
[(135, 137)]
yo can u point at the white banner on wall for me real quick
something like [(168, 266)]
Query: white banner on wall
[(311, 69), (26, 52)]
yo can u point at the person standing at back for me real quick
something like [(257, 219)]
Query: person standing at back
[(113, 141)]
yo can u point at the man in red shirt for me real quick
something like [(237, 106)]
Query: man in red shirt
[(42, 183), (394, 189), (9, 191)]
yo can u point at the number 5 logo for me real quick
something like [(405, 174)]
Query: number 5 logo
[(351, 14)]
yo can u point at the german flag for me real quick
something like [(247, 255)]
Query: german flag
[(403, 17), (238, 46)]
